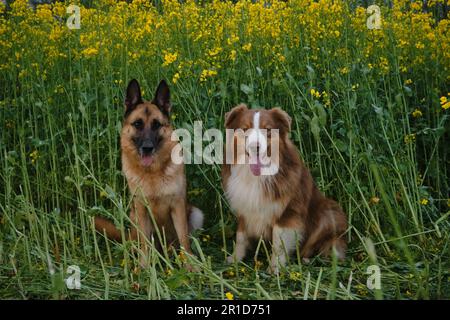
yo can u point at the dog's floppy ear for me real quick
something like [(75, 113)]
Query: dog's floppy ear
[(282, 118), (162, 98), (233, 113), (133, 96)]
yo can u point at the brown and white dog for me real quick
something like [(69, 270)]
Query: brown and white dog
[(284, 206), (154, 180)]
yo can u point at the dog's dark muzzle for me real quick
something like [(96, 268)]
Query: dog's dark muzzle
[(147, 148)]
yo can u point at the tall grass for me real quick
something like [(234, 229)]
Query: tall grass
[(60, 118)]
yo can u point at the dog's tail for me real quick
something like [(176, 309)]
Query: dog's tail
[(195, 219), (105, 226)]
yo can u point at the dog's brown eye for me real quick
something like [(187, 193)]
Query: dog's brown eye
[(138, 124), (156, 125)]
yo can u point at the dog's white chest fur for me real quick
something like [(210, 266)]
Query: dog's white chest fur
[(247, 196)]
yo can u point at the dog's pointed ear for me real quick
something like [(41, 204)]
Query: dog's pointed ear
[(233, 114), (133, 96), (162, 98), (282, 118)]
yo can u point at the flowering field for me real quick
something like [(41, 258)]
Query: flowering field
[(371, 117)]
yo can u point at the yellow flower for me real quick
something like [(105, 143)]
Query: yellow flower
[(344, 70), (295, 276), (229, 296), (206, 74), (445, 104), (89, 52), (182, 256), (59, 89), (230, 273), (416, 6), (34, 156), (374, 200), (206, 238), (408, 81), (214, 52), (326, 99), (175, 78), (315, 93), (22, 73), (44, 13), (417, 113), (233, 55), (169, 58), (420, 45), (409, 138), (281, 58), (424, 202), (234, 38), (361, 289), (247, 47)]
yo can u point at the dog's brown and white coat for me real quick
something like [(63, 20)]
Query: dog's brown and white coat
[(286, 207)]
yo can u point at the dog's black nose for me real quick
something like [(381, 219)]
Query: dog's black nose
[(147, 148)]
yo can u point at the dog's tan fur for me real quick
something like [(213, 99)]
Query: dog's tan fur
[(286, 208), (160, 186)]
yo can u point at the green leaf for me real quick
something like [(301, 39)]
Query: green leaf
[(110, 192), (321, 113), (408, 91), (246, 89), (315, 129), (311, 72), (340, 145)]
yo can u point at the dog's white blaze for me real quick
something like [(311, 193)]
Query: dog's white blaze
[(256, 138), (256, 120), (246, 195)]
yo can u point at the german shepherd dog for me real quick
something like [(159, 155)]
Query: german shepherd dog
[(155, 182)]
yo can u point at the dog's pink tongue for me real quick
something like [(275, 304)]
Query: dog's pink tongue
[(146, 160), (255, 168)]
